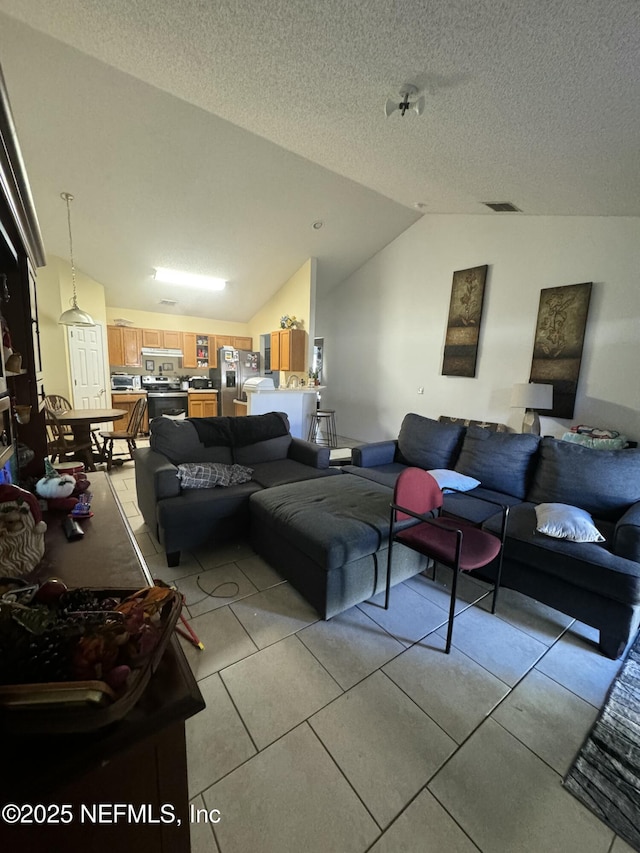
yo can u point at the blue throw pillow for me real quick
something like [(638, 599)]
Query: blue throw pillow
[(448, 479), (502, 461)]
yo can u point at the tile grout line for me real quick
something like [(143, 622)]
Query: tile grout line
[(344, 776)]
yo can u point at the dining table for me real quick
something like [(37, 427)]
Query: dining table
[(80, 421)]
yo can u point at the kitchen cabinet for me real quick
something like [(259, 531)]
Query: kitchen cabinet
[(124, 346), (161, 338), (152, 338), (131, 344), (195, 349), (239, 409), (189, 349), (127, 401), (289, 349), (172, 340), (215, 342), (203, 404), (224, 341), (243, 343)]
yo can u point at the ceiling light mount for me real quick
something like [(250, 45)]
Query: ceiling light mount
[(409, 102)]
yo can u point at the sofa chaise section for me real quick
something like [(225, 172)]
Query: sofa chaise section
[(330, 540)]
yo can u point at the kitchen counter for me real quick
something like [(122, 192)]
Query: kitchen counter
[(203, 391), (307, 389)]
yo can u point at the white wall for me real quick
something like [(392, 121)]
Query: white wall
[(384, 327)]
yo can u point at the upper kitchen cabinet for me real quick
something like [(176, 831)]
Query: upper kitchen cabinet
[(124, 346), (172, 340), (195, 349), (236, 341), (288, 349), (189, 358), (161, 338), (224, 341), (243, 343)]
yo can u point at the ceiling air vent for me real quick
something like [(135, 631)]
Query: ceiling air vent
[(168, 302), (502, 206)]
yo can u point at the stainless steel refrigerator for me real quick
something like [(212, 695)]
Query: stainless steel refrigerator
[(235, 366)]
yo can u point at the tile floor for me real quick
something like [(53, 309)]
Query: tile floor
[(359, 734)]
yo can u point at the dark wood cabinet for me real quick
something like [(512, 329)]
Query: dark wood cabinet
[(138, 760), (21, 251)]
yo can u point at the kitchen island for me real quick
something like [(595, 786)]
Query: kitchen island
[(299, 404)]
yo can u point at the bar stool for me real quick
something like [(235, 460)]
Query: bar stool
[(328, 418)]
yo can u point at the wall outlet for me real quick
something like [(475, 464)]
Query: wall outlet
[(420, 390)]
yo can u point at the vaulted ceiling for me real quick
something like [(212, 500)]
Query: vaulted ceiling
[(211, 136)]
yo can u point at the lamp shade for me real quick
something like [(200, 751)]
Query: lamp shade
[(75, 316), (531, 395)]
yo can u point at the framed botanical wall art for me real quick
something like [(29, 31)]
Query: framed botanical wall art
[(557, 349), (463, 325)]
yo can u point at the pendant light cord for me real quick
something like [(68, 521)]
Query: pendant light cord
[(69, 198)]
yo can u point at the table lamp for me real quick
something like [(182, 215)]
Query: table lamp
[(531, 396)]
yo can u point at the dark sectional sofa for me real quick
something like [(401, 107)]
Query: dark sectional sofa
[(186, 518), (595, 582), (329, 534)]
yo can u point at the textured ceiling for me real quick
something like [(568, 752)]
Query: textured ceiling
[(142, 107)]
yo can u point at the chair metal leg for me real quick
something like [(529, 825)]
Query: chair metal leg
[(496, 587), (388, 587), (452, 609)]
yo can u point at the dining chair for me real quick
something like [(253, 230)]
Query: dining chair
[(57, 403), (129, 434), (417, 522), (61, 441)]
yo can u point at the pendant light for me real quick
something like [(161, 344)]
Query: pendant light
[(73, 316)]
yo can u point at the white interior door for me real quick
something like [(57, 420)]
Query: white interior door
[(87, 367)]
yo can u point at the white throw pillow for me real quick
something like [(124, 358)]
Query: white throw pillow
[(562, 521), (448, 479)]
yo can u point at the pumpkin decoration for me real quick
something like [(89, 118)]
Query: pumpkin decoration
[(54, 485), (59, 486)]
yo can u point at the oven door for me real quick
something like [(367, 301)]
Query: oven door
[(167, 402)]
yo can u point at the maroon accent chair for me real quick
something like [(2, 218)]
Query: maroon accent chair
[(450, 541)]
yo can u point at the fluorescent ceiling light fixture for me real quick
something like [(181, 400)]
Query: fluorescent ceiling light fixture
[(188, 279)]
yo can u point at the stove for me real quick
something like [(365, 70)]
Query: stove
[(161, 384), (164, 396)]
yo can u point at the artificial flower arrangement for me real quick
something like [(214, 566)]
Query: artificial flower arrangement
[(289, 321)]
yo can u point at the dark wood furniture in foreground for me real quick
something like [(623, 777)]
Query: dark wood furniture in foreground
[(21, 251), (139, 760)]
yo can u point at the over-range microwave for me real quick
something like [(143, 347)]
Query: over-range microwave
[(125, 382)]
